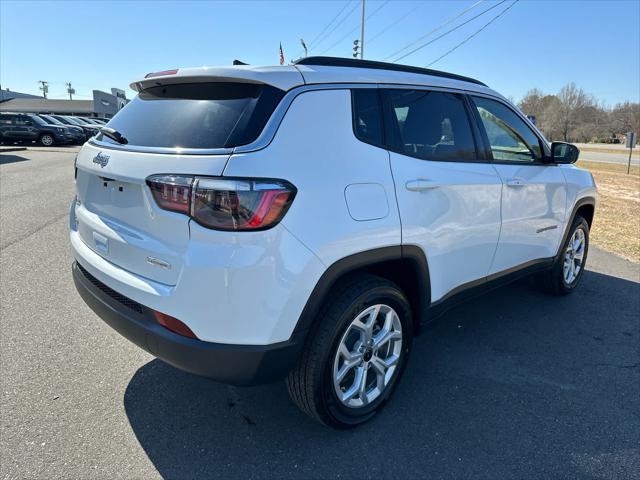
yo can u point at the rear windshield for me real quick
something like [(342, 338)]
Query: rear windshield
[(196, 115)]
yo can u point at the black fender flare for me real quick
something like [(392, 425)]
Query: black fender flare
[(576, 206), (361, 261)]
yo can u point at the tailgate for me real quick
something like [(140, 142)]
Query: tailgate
[(119, 219)]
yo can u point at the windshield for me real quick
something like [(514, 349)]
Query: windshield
[(37, 119), (51, 120), (71, 121), (196, 115)]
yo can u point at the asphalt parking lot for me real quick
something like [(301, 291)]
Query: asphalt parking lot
[(515, 384)]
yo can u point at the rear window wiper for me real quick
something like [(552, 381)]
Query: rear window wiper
[(114, 135)]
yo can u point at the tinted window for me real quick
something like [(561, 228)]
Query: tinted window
[(509, 136), (367, 118), (6, 119), (22, 120), (430, 125), (196, 115)]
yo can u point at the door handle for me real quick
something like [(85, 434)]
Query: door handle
[(516, 182), (420, 184)]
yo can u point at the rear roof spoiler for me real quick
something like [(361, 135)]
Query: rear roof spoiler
[(284, 78)]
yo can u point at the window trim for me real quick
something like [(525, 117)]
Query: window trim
[(544, 160), (390, 136)]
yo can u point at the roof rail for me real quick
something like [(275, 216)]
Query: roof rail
[(356, 63)]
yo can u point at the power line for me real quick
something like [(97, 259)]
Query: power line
[(335, 27), (447, 32), (474, 34), (355, 28), (381, 32), (328, 24), (432, 31)]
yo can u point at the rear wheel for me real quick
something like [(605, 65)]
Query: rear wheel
[(356, 354), (46, 139), (566, 273)]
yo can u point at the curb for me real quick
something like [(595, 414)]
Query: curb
[(12, 149)]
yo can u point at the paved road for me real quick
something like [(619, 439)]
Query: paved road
[(607, 157), (613, 153), (512, 385)]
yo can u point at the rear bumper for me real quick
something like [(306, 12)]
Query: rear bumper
[(232, 364)]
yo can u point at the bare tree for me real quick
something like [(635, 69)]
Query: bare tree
[(573, 115)]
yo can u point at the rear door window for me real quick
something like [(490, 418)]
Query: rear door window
[(428, 124), (196, 115)]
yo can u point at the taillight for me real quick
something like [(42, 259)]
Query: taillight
[(232, 204), (171, 192), (162, 73)]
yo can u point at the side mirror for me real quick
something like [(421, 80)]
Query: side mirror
[(562, 152)]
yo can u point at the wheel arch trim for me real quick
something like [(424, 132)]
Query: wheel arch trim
[(581, 202), (362, 261)]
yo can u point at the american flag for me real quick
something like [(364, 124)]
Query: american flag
[(281, 55)]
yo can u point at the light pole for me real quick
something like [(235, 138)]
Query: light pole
[(362, 34), (44, 87), (70, 90)]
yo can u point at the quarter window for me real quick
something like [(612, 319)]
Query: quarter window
[(367, 119), (510, 138), (429, 125)]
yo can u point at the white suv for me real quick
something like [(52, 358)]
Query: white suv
[(254, 223)]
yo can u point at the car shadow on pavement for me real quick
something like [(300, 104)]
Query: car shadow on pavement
[(6, 159), (514, 384)]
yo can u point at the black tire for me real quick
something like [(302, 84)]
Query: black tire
[(47, 140), (554, 281), (310, 383)]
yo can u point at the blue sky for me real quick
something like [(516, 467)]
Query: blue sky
[(537, 43)]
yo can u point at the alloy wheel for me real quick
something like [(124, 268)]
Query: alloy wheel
[(367, 356), (574, 256)]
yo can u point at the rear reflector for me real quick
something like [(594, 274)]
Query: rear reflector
[(173, 324), (231, 204), (162, 73)]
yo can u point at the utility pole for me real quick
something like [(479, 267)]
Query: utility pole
[(362, 34), (44, 87), (70, 90)]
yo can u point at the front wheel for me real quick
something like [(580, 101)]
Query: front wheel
[(567, 271), (46, 139), (356, 354)]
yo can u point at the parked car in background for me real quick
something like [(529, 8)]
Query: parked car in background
[(89, 130), (95, 121), (77, 132), (85, 120), (27, 127)]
